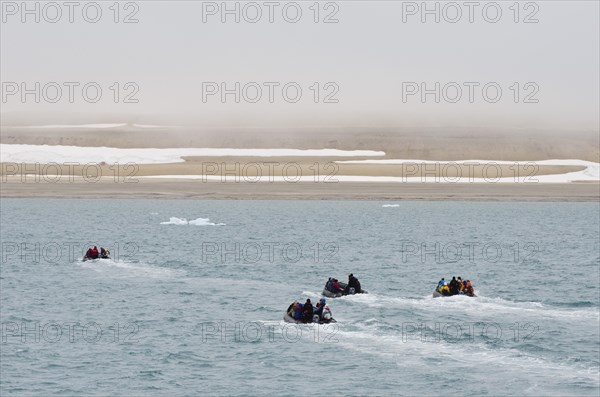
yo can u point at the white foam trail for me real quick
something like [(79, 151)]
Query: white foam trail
[(120, 268), (390, 205), (311, 295), (411, 351), (196, 222), (85, 155), (478, 305)]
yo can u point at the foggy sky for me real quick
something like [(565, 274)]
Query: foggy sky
[(368, 55)]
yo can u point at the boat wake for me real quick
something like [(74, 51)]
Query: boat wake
[(120, 268), (492, 307), (411, 349)]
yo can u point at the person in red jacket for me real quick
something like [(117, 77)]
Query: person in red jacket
[(335, 286), (89, 253), (95, 252)]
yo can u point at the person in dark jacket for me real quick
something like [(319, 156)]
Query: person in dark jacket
[(307, 312), (353, 283), (453, 286)]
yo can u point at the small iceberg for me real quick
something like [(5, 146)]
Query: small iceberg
[(196, 222)]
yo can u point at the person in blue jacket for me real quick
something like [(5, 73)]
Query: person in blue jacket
[(298, 311), (320, 307), (441, 284)]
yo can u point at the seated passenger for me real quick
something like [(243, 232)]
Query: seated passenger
[(453, 286), (469, 289), (297, 311), (460, 285), (89, 253), (440, 284), (307, 312), (95, 252), (445, 289), (353, 283), (335, 286), (328, 286), (326, 317), (320, 307), (290, 309)]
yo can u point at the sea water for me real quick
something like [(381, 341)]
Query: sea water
[(193, 298)]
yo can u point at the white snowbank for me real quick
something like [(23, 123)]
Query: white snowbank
[(590, 173), (66, 126), (85, 155), (90, 126)]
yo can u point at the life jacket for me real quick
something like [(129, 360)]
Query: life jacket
[(468, 284)]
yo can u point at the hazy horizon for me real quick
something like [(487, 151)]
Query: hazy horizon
[(370, 55)]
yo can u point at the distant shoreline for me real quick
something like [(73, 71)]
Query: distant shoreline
[(170, 189), (371, 180)]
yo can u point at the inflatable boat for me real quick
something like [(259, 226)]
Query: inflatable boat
[(437, 294), (316, 320), (330, 294), (87, 258)]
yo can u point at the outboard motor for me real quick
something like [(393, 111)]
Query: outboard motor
[(316, 318), (351, 291)]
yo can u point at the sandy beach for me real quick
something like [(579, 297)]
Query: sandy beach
[(178, 189)]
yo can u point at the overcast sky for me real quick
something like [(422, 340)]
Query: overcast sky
[(371, 56)]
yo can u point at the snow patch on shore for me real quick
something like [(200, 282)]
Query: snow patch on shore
[(84, 155)]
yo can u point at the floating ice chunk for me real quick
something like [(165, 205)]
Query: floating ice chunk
[(196, 222)]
